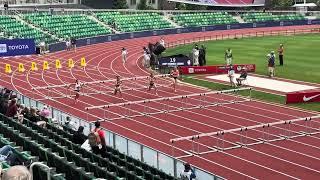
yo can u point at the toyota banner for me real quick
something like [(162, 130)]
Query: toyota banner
[(16, 47), (303, 97)]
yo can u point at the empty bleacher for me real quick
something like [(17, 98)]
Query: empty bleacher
[(260, 16), (66, 26), (203, 19), (13, 28), (134, 22)]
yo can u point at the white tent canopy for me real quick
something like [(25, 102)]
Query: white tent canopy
[(305, 5)]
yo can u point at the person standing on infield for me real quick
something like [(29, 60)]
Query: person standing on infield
[(228, 56), (271, 64), (281, 51)]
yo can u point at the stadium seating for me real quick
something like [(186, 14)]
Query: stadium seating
[(134, 22), (203, 19), (8, 136), (66, 26), (54, 146), (12, 27), (259, 17)]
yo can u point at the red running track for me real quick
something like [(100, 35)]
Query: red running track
[(296, 158)]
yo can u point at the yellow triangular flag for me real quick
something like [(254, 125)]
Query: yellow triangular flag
[(58, 64), (8, 68), (70, 63), (21, 67), (45, 65), (83, 62), (34, 66)]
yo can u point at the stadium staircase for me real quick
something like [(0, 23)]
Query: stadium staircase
[(95, 18), (168, 17), (238, 19), (53, 146)]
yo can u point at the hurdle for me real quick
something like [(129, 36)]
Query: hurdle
[(198, 136), (105, 92), (219, 136), (98, 82), (167, 98)]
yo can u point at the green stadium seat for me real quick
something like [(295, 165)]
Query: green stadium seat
[(260, 17), (203, 19), (134, 22), (64, 26)]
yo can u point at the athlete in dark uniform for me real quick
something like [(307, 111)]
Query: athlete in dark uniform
[(118, 86)]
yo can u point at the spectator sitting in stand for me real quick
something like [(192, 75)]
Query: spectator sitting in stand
[(188, 173), (5, 151), (4, 106), (92, 144), (25, 111), (9, 154), (35, 118), (45, 112), (79, 137), (69, 125), (19, 114), (17, 172), (12, 110)]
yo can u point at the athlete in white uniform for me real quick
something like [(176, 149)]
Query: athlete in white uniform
[(124, 54), (77, 89)]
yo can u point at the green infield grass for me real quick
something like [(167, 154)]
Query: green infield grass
[(301, 60), (301, 56)]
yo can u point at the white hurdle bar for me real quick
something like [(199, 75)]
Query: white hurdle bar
[(222, 132), (100, 81), (167, 98)]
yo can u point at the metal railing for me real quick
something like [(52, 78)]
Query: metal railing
[(144, 153)]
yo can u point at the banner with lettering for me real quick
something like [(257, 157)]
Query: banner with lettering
[(216, 69), (14, 47)]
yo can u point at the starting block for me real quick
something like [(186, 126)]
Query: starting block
[(45, 65), (21, 67), (70, 63), (34, 66), (83, 62), (8, 69), (58, 64)]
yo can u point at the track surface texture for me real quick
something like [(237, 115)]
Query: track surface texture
[(293, 158)]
